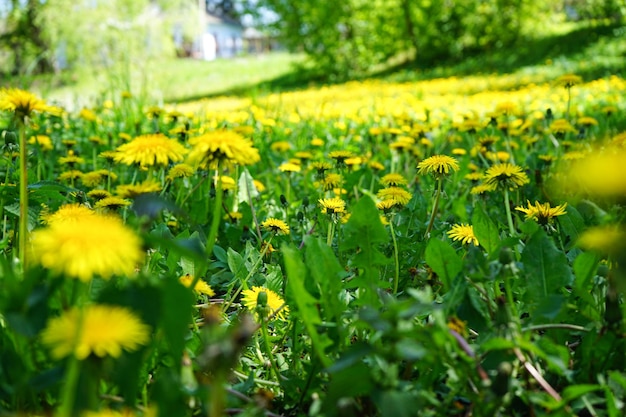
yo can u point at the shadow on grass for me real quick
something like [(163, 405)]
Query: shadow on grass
[(576, 45)]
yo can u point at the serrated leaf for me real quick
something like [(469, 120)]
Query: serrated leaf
[(246, 190), (442, 259), (303, 304), (486, 230), (547, 270), (364, 232)]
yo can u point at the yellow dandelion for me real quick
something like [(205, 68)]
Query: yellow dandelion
[(601, 173), (340, 156), (70, 175), (506, 108), (71, 159), (330, 182), (22, 103), (561, 127), (222, 147), (260, 187), (607, 240), (483, 188), (275, 304), (92, 179), (400, 195), (438, 165), (332, 206), (474, 176), (317, 142), (303, 155), (289, 167), (276, 226), (568, 80), (376, 166), (43, 141), (280, 146), (587, 121), (388, 205), (102, 330), (112, 203), (201, 286), (179, 171), (133, 190), (98, 194), (89, 246), (542, 213), (393, 180), (68, 213), (505, 176), (463, 233), (150, 150), (88, 115)]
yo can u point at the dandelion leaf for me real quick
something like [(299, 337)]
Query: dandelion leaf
[(444, 261), (302, 303), (364, 232), (547, 272), (486, 230)]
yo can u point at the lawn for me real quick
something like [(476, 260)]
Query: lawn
[(425, 241)]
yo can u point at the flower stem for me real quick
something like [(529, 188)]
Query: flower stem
[(217, 214), (433, 214), (23, 228), (396, 258), (509, 217), (331, 232)]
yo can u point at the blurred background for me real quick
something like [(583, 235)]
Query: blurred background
[(162, 45)]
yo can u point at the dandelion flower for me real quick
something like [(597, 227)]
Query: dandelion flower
[(276, 226), (112, 203), (71, 175), (201, 287), (87, 247), (568, 80), (397, 194), (393, 180), (71, 159), (133, 190), (99, 329), (601, 173), (330, 182), (69, 213), (463, 233), (289, 167), (274, 301), (21, 102), (482, 189), (561, 126), (42, 141), (150, 150), (438, 165), (387, 205), (98, 194), (222, 147), (179, 171), (333, 205), (280, 146), (506, 175), (603, 239), (542, 213)]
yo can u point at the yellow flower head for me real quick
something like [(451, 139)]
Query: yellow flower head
[(112, 203), (68, 213), (42, 141), (201, 287), (20, 102), (332, 206), (464, 233), (280, 146), (568, 80), (607, 240), (149, 150), (330, 182), (222, 147), (272, 300), (98, 194), (289, 167), (100, 329), (505, 176), (133, 190), (179, 171), (393, 180), (397, 194), (438, 165), (542, 213), (276, 226), (561, 127), (89, 246), (600, 173)]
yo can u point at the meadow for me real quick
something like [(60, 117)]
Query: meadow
[(445, 246)]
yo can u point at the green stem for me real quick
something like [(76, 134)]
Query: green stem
[(23, 227), (268, 348), (217, 214), (433, 214), (396, 258), (509, 217), (329, 235)]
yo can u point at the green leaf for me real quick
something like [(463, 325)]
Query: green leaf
[(176, 316), (442, 259), (547, 270), (364, 232), (575, 391), (305, 304), (397, 404), (486, 230), (246, 190), (497, 343), (572, 225), (237, 265)]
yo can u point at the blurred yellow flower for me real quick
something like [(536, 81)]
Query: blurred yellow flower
[(89, 246), (22, 103), (252, 299), (201, 287), (102, 330)]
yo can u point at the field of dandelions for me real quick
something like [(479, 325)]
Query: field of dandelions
[(446, 247)]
